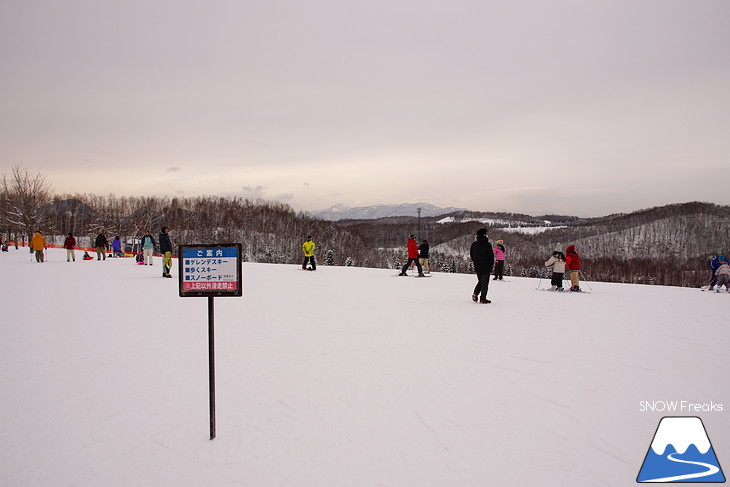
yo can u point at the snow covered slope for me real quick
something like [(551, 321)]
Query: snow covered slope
[(343, 377)]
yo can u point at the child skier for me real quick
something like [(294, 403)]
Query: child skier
[(572, 262), (723, 274), (557, 262)]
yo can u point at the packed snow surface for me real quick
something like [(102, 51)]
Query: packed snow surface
[(344, 377)]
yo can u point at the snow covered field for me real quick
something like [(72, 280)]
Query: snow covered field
[(344, 377)]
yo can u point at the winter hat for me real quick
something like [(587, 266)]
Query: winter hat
[(500, 242), (413, 236), (558, 248), (482, 232)]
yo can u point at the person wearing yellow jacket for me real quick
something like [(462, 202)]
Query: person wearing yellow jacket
[(38, 244), (308, 249)]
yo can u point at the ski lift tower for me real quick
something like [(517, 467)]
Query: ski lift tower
[(419, 223)]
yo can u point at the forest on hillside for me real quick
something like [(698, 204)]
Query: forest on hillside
[(665, 245)]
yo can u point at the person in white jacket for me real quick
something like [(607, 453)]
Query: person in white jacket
[(557, 262)]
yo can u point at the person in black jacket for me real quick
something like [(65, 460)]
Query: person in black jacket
[(166, 251), (423, 256), (482, 255)]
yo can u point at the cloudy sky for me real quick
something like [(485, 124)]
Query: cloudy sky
[(562, 106)]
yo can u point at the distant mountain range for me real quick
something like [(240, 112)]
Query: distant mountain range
[(344, 212)]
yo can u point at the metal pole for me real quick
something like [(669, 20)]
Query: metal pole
[(419, 225), (211, 366)]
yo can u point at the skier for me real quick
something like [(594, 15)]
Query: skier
[(148, 247), (69, 244), (412, 257), (308, 249), (499, 254), (723, 274), (38, 244), (101, 244), (423, 256), (482, 255), (557, 262), (572, 262), (166, 251)]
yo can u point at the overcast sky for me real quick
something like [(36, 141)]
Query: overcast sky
[(579, 107)]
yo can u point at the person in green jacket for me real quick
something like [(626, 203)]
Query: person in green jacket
[(308, 249)]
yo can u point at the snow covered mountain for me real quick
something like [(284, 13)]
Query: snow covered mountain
[(344, 212)]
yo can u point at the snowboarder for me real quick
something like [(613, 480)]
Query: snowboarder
[(148, 247), (70, 244), (557, 262), (38, 245), (308, 249), (101, 244), (572, 263), (723, 274), (482, 255), (423, 250), (499, 255), (412, 257), (166, 251)]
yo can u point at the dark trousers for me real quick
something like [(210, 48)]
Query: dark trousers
[(309, 259), (499, 269), (557, 279), (482, 285), (418, 265)]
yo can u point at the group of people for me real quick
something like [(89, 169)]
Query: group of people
[(561, 262), (38, 245), (486, 258)]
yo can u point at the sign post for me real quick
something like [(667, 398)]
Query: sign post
[(210, 271)]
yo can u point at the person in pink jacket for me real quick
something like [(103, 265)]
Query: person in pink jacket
[(499, 254)]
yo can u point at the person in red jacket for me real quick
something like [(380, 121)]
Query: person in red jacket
[(69, 244), (412, 257), (572, 262)]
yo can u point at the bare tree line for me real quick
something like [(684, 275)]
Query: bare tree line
[(665, 245)]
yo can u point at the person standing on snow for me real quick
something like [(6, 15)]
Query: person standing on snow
[(499, 252), (70, 244), (101, 244), (166, 251), (38, 245), (572, 263), (148, 247), (723, 274), (423, 250), (308, 249), (557, 262), (482, 255), (412, 257)]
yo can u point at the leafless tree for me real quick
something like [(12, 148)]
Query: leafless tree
[(24, 195)]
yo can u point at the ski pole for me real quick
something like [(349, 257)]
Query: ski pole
[(583, 278)]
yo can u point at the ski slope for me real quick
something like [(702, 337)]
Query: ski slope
[(344, 377)]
